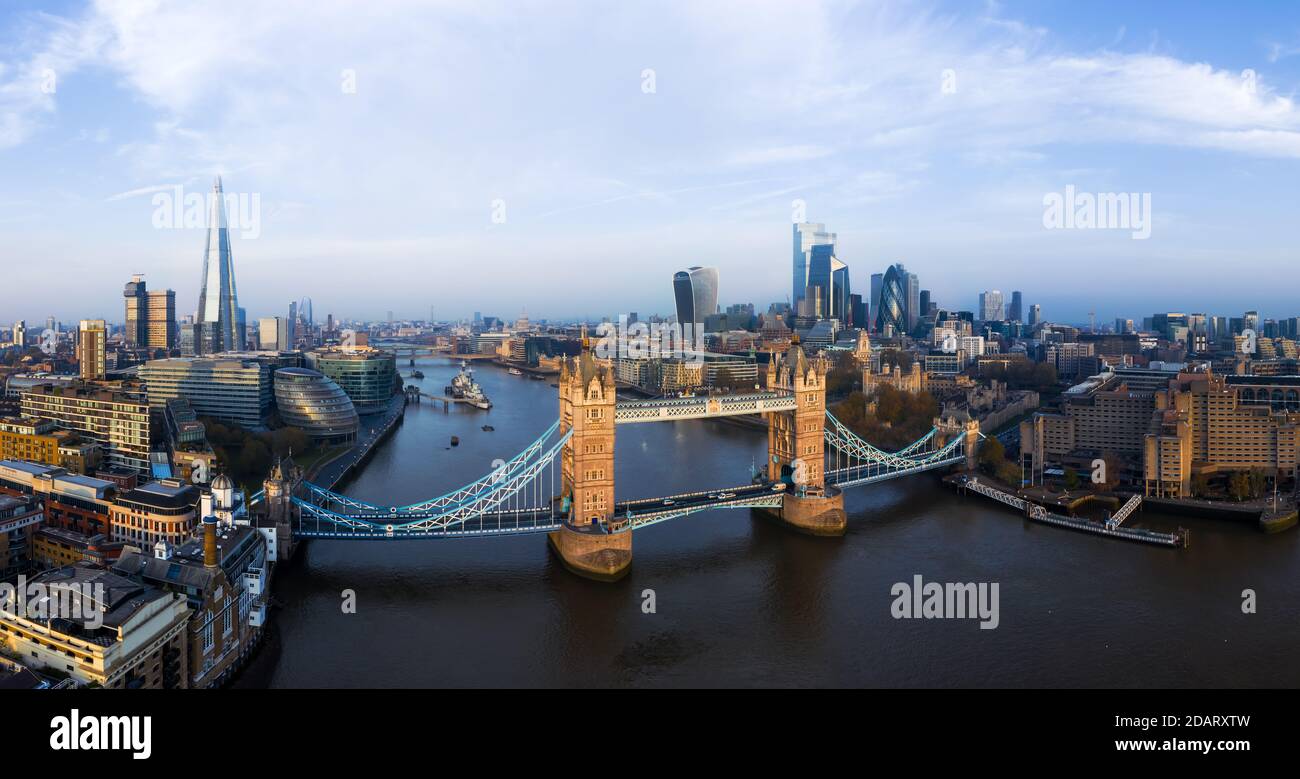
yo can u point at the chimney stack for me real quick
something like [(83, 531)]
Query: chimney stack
[(210, 559)]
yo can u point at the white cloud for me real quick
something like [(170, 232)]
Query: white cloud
[(460, 103)]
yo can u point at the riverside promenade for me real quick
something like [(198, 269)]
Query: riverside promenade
[(374, 430)]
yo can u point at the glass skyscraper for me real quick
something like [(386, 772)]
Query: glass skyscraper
[(806, 236), (891, 313), (695, 291), (218, 314)]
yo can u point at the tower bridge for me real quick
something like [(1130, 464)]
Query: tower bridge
[(562, 484)]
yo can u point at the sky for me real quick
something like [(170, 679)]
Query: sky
[(568, 157)]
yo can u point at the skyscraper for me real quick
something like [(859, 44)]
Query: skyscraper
[(20, 333), (912, 287), (1016, 311), (273, 333), (891, 313), (218, 314), (806, 236), (873, 302), (161, 331), (695, 291), (92, 338), (150, 316), (137, 312), (1035, 314), (990, 309)]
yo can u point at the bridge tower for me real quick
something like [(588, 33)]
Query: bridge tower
[(959, 423), (279, 489), (796, 445), (586, 545)]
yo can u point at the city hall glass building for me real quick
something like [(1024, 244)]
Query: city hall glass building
[(309, 400)]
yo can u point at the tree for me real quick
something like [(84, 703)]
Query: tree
[(1200, 485), (1239, 485), (1071, 479), (1258, 481), (1008, 472), (991, 455), (844, 375)]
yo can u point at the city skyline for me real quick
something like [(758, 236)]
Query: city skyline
[(946, 175)]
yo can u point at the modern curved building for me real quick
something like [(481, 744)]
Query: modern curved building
[(891, 311), (311, 401), (696, 293)]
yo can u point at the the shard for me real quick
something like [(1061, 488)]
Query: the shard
[(218, 315)]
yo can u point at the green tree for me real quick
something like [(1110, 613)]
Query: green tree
[(991, 455), (1071, 479)]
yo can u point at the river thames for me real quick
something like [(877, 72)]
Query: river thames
[(741, 601)]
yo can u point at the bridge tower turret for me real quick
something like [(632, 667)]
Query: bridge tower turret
[(796, 444), (959, 423), (587, 544)]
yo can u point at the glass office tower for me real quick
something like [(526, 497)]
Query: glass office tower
[(218, 301), (806, 236), (695, 291)]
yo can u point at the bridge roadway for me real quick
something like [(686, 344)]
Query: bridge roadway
[(628, 515), (702, 407), (857, 475)]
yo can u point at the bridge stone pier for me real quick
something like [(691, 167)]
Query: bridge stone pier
[(588, 407), (796, 445)]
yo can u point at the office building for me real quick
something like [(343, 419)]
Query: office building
[(164, 510), (912, 289), (273, 333), (368, 376), (1016, 313), (150, 317), (162, 331), (92, 342), (20, 334), (873, 302), (1035, 314), (806, 236), (136, 331), (695, 291), (231, 389), (891, 312), (218, 317)]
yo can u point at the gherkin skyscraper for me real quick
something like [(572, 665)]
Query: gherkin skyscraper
[(218, 314)]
